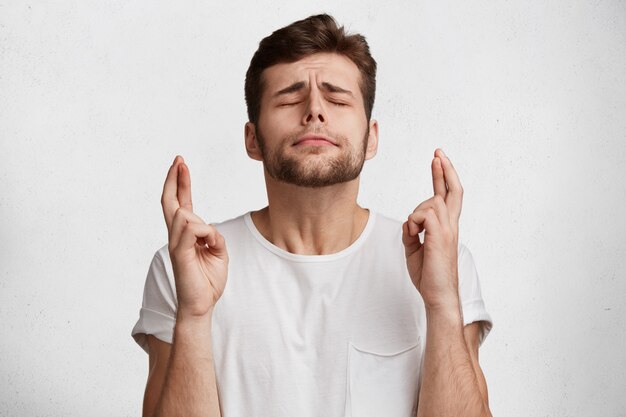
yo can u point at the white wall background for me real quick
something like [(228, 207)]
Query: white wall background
[(527, 98)]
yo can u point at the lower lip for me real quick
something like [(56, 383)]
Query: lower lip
[(315, 142)]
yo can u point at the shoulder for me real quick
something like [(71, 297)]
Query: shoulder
[(387, 221), (392, 227), (228, 227), (161, 258), (466, 259), (231, 224), (386, 225)]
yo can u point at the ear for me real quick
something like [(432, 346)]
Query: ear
[(372, 140), (252, 144)]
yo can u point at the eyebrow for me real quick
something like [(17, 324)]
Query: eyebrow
[(300, 85), (291, 89), (336, 89)]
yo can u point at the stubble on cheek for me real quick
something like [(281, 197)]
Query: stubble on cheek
[(308, 167)]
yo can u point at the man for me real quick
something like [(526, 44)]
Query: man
[(313, 305)]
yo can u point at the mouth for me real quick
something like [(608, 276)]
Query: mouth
[(314, 140)]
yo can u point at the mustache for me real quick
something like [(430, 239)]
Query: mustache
[(315, 129)]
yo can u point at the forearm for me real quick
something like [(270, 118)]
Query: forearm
[(190, 388), (450, 386)]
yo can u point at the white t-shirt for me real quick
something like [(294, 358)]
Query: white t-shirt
[(303, 335)]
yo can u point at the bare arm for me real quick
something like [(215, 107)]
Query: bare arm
[(472, 339), (452, 384), (159, 357), (190, 387), (200, 265)]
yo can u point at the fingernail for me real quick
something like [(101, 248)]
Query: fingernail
[(175, 159)]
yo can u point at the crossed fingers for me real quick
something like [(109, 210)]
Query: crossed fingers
[(442, 211), (184, 227), (177, 205), (431, 215), (446, 183), (176, 190)]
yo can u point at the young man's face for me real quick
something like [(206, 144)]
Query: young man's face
[(312, 130)]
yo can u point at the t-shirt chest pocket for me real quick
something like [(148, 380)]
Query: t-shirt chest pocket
[(383, 384)]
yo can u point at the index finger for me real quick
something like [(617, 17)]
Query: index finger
[(176, 190), (184, 186), (439, 181), (454, 197)]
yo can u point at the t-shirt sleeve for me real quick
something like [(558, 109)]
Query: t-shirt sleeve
[(157, 315), (472, 303)]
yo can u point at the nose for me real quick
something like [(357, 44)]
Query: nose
[(315, 111)]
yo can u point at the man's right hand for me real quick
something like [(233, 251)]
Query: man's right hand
[(197, 250)]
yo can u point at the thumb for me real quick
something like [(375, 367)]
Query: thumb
[(217, 246), (411, 243)]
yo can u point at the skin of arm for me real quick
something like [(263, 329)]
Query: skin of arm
[(472, 339), (190, 387), (452, 382), (200, 265), (158, 360)]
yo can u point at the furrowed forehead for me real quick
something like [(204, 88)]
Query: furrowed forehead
[(332, 72), (303, 85)]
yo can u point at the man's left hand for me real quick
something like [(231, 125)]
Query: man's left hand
[(432, 264)]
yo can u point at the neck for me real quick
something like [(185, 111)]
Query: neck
[(311, 221)]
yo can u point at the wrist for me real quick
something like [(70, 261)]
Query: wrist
[(443, 304), (445, 312), (193, 330), (194, 321)]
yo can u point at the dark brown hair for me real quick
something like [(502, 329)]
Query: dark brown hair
[(305, 37)]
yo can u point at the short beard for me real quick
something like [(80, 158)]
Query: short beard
[(338, 169)]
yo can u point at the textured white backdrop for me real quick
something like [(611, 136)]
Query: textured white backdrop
[(528, 98)]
